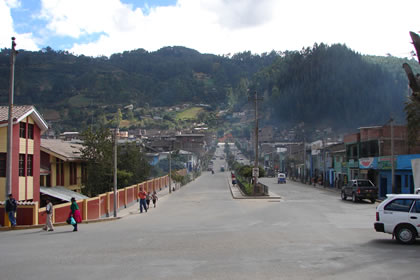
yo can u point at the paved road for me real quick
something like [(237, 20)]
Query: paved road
[(200, 232)]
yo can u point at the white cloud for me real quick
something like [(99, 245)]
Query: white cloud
[(13, 3), (229, 26), (23, 40)]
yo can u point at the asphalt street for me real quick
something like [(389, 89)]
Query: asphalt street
[(201, 232)]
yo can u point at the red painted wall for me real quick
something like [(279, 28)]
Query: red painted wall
[(62, 213), (42, 217), (103, 205), (121, 198), (2, 215), (93, 209), (130, 195), (15, 162), (24, 216), (111, 203), (37, 161)]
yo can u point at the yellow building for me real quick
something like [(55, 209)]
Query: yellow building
[(61, 165)]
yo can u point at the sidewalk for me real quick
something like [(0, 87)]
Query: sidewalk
[(132, 208), (317, 186), (238, 194)]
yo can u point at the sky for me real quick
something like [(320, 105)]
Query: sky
[(223, 27)]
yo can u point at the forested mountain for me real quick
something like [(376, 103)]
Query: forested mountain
[(321, 85), (333, 86)]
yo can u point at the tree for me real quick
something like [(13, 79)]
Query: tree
[(133, 166), (412, 107), (134, 163), (97, 153)]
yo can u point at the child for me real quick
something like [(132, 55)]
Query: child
[(148, 199), (154, 199)]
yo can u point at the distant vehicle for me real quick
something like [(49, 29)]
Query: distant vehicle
[(359, 189), (214, 158), (281, 178), (399, 215), (418, 191), (222, 168)]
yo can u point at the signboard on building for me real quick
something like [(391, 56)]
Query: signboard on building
[(367, 163), (385, 163)]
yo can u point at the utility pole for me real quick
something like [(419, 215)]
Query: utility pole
[(392, 156), (304, 158), (10, 121), (115, 162), (255, 99), (325, 162), (170, 173)]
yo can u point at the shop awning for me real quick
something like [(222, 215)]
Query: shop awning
[(62, 193)]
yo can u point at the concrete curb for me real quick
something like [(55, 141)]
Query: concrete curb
[(244, 196)]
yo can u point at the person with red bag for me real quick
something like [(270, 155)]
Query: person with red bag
[(75, 214)]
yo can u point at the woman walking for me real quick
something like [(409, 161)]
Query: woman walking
[(75, 213)]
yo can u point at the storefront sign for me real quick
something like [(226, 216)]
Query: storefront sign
[(385, 163), (366, 163)]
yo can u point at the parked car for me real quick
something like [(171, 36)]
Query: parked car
[(399, 215), (359, 189), (418, 191), (281, 178)]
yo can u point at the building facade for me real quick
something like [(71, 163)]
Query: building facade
[(28, 125)]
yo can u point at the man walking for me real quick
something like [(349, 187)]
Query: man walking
[(49, 210), (142, 196), (11, 206)]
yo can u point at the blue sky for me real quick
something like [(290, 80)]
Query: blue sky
[(104, 27)]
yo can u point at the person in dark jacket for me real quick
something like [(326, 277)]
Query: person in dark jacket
[(11, 206)]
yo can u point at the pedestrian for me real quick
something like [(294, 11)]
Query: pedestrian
[(148, 199), (49, 210), (11, 206), (75, 213), (154, 199), (142, 196)]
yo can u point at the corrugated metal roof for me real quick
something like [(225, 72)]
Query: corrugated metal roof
[(64, 150), (62, 193)]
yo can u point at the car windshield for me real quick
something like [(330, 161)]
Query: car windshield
[(365, 183)]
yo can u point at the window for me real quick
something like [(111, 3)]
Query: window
[(84, 173), (22, 130), (416, 207), (3, 161), (73, 173), (21, 165), (29, 165), (399, 205), (30, 131), (59, 172), (364, 183)]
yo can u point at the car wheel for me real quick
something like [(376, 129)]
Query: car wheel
[(405, 234), (353, 197), (343, 195), (373, 200)]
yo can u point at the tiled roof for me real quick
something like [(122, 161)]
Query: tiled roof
[(64, 150), (19, 113)]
